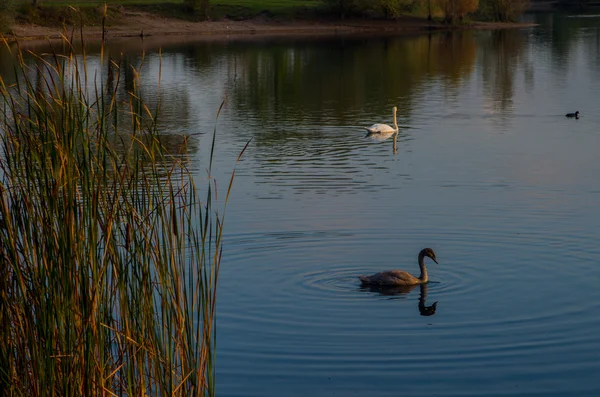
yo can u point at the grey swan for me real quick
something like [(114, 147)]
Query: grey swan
[(576, 114), (400, 277), (384, 128)]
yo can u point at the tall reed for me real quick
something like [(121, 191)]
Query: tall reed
[(109, 260)]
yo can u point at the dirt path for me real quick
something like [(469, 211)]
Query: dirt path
[(136, 23)]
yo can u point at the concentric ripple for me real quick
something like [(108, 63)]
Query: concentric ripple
[(302, 310)]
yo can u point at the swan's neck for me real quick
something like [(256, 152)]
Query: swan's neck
[(395, 122), (423, 277)]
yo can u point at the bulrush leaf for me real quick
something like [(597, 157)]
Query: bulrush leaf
[(109, 260)]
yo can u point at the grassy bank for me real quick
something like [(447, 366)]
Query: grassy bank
[(89, 13), (57, 13), (174, 14), (109, 256)]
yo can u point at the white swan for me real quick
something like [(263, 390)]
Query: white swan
[(383, 128)]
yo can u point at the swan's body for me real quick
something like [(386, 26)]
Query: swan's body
[(576, 114), (400, 277), (380, 136), (384, 128)]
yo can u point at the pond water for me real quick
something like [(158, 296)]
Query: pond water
[(487, 171)]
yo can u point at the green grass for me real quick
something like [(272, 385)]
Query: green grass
[(109, 257), (59, 12), (273, 8), (95, 3), (58, 15), (250, 4)]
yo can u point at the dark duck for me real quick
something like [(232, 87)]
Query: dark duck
[(573, 115)]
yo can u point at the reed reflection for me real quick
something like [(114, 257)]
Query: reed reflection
[(402, 291)]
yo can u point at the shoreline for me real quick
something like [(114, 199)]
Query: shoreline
[(144, 24)]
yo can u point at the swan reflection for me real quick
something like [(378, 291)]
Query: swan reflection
[(400, 290), (380, 136), (384, 136), (423, 309)]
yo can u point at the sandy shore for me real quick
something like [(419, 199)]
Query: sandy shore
[(136, 23)]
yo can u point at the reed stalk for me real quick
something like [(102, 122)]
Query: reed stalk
[(109, 259)]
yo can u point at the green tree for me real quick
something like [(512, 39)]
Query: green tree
[(387, 8), (394, 8), (429, 18), (342, 7), (199, 7), (456, 9), (504, 10), (6, 10)]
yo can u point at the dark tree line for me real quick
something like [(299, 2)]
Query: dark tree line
[(451, 10)]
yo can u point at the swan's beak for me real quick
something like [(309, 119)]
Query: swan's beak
[(435, 260)]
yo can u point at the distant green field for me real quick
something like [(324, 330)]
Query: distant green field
[(53, 12), (94, 3), (272, 5), (276, 7)]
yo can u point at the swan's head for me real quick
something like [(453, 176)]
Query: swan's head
[(428, 252), (577, 113), (394, 109)]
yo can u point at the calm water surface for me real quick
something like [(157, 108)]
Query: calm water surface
[(488, 172)]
